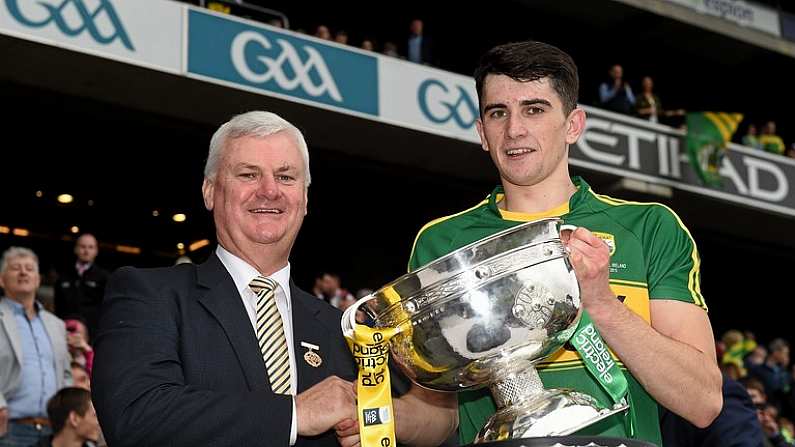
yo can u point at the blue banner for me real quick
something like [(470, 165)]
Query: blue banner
[(269, 60)]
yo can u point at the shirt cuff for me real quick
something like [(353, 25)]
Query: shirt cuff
[(293, 426)]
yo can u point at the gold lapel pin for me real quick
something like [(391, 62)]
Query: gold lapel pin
[(311, 357)]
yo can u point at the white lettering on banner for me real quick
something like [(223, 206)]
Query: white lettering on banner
[(754, 165), (727, 170), (633, 135), (602, 138), (662, 155), (274, 70), (744, 13), (673, 149), (599, 138), (733, 10)]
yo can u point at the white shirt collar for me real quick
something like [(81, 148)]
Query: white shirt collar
[(243, 272)]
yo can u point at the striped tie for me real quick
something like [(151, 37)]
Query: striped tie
[(270, 334)]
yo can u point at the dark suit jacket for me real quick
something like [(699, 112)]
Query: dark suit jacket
[(735, 426), (177, 361), (81, 295)]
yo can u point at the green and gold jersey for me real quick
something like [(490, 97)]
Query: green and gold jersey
[(653, 256)]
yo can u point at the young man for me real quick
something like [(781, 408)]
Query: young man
[(641, 288), (74, 421)]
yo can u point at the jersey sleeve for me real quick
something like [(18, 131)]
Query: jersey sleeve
[(674, 262)]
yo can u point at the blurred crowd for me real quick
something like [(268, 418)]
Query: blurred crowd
[(617, 95)]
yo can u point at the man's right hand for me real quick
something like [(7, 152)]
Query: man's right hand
[(3, 421), (321, 407)]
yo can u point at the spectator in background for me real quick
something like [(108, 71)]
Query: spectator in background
[(277, 22), (74, 420), (615, 94), (770, 141), (774, 372), (341, 37), (81, 287), (368, 45), (418, 45), (787, 429), (751, 137), (736, 425), (328, 287), (768, 418), (322, 32), (791, 151), (80, 377), (756, 357), (77, 341), (648, 104), (35, 361), (390, 49), (756, 390), (736, 347)]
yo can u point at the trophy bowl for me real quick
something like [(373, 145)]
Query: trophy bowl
[(484, 315)]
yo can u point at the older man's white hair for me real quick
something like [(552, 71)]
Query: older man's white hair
[(252, 124), (17, 252)]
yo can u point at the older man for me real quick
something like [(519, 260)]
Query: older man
[(215, 354), (34, 362)]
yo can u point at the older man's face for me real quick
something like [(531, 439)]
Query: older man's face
[(258, 195), (21, 277)]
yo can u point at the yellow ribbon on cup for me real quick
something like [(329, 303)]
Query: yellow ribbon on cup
[(370, 348)]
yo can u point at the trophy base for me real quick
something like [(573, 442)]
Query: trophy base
[(553, 412)]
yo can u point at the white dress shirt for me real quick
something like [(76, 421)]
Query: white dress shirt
[(242, 274)]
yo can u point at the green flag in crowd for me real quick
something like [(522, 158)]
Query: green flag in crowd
[(708, 134)]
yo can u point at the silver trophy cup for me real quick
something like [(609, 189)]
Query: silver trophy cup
[(484, 315)]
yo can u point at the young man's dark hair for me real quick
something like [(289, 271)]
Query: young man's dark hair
[(531, 61), (64, 402)]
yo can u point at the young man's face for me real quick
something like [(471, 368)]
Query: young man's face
[(525, 130)]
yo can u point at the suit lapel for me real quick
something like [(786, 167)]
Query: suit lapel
[(223, 302), (308, 328), (10, 326)]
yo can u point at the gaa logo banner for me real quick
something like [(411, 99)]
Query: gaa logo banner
[(140, 32), (266, 59), (97, 18), (441, 103)]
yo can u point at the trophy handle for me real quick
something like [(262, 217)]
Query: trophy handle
[(348, 321)]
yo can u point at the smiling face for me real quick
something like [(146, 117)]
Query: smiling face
[(258, 196), (524, 128)]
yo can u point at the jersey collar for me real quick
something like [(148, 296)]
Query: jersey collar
[(565, 209)]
